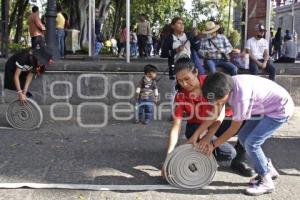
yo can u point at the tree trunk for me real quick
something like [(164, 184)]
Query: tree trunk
[(74, 15), (20, 17), (103, 10), (12, 18), (83, 7), (118, 15)]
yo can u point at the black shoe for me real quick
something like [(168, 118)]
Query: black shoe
[(242, 169)]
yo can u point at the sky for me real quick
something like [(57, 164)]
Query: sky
[(188, 5)]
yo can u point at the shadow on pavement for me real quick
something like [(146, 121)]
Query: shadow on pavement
[(116, 155)]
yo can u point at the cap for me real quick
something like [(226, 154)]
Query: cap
[(260, 27)]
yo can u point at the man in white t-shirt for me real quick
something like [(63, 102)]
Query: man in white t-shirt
[(258, 49)]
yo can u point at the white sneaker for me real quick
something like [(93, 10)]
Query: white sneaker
[(273, 172), (264, 186)]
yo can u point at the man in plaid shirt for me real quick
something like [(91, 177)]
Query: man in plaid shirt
[(215, 49)]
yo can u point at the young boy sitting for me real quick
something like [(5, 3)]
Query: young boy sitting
[(146, 94), (264, 105)]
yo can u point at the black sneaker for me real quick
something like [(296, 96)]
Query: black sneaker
[(242, 168), (255, 180)]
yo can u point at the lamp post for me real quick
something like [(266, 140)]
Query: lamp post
[(51, 28), (293, 16), (4, 27), (91, 28), (128, 31)]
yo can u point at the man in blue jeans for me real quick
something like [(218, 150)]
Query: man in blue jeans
[(215, 49)]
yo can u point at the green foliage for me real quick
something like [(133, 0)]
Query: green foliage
[(157, 10), (234, 38), (105, 51), (15, 47)]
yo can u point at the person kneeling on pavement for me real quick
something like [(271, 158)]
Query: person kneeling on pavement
[(189, 100)]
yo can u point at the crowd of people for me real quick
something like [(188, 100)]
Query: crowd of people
[(283, 49), (211, 49), (216, 106)]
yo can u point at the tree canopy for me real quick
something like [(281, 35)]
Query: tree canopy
[(112, 13)]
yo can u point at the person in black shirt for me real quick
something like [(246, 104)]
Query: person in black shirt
[(22, 67)]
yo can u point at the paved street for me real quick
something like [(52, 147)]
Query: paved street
[(122, 153)]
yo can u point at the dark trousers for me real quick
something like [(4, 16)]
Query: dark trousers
[(145, 109), (142, 43), (285, 60), (270, 68), (37, 41), (225, 152)]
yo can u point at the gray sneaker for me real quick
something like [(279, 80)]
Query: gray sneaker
[(263, 186), (273, 172)]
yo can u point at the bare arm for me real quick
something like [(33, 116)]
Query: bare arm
[(266, 55), (17, 80), (27, 82), (213, 122), (21, 95), (174, 134), (231, 131)]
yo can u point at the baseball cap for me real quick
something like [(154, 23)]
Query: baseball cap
[(259, 27)]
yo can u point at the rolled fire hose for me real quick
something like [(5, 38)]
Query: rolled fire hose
[(24, 117), (188, 169)]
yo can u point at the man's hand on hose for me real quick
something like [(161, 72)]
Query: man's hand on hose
[(206, 146), (22, 97), (202, 144), (193, 140)]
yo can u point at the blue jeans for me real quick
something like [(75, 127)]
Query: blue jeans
[(270, 69), (253, 134), (211, 65), (98, 47), (145, 109), (133, 49), (60, 36), (197, 61), (225, 152)]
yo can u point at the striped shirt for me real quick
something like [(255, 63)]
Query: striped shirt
[(209, 51), (24, 68)]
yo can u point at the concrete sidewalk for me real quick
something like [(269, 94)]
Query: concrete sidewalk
[(123, 153)]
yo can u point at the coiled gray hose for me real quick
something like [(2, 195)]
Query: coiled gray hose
[(188, 169), (24, 117)]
